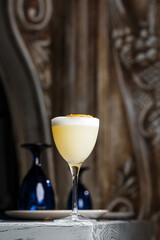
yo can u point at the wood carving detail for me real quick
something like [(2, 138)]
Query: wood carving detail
[(139, 53), (34, 14), (137, 59), (125, 192), (41, 54), (33, 18), (136, 53)]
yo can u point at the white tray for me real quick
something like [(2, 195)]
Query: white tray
[(55, 214), (52, 214)]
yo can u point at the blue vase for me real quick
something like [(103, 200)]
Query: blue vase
[(84, 198), (36, 192)]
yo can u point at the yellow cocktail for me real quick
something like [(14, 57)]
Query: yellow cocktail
[(75, 137)]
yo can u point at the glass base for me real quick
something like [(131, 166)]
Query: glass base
[(75, 219)]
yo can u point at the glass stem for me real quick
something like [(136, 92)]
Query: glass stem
[(36, 159), (75, 174)]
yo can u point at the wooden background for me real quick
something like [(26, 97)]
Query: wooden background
[(101, 58)]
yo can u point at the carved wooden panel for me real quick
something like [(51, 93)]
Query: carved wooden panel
[(136, 46)]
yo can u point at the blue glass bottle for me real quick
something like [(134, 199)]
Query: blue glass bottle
[(36, 192), (84, 198)]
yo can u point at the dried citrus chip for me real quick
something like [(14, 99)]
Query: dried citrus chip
[(78, 115)]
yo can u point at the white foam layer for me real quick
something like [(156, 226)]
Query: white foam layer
[(79, 121)]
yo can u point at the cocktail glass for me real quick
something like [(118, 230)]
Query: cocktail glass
[(75, 137)]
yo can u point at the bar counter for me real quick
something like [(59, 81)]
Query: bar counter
[(99, 230)]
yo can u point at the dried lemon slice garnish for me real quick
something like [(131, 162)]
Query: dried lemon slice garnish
[(78, 115)]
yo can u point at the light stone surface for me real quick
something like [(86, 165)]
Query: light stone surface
[(108, 230)]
